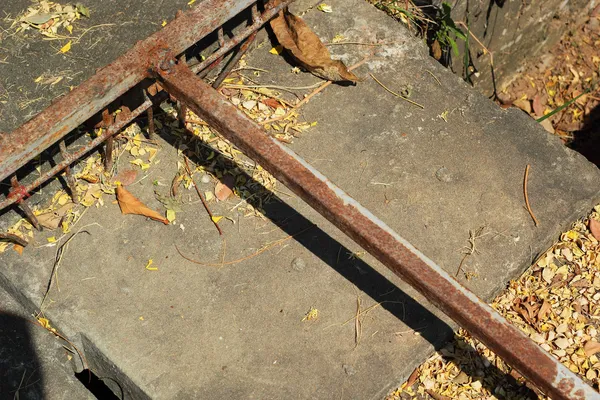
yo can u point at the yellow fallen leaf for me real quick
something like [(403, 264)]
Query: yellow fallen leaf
[(144, 166), (66, 47), (324, 8), (276, 50), (45, 323), (70, 28), (164, 23), (217, 218), (148, 266), (191, 2), (51, 239), (171, 215), (312, 314)]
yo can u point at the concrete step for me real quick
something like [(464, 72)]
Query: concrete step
[(435, 175), (33, 362)]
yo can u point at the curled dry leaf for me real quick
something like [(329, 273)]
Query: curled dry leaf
[(595, 228), (437, 396), (538, 107), (591, 348), (412, 378), (306, 48), (131, 205)]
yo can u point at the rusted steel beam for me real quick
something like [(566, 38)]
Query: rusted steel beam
[(110, 82), (376, 237)]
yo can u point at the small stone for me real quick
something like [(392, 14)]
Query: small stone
[(443, 175), (349, 369), (263, 107), (476, 385), (591, 374), (298, 264), (205, 178), (235, 101), (562, 328)]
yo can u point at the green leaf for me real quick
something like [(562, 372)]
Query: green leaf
[(567, 104), (83, 10), (454, 46)]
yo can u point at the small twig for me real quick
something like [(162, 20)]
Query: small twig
[(356, 43), (57, 259), (14, 238), (287, 88), (471, 249), (535, 221), (485, 49), (189, 171), (396, 94), (250, 69), (260, 251)]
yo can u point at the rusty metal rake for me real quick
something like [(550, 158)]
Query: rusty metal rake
[(157, 59)]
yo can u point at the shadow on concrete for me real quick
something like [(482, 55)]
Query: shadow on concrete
[(20, 369), (587, 140), (356, 271)]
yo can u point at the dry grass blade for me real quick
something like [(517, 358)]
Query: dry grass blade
[(248, 257), (396, 94)]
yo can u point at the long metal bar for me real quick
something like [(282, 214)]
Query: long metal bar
[(71, 110), (376, 237)]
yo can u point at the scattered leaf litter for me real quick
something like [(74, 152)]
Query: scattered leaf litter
[(221, 159), (556, 303), (51, 19)]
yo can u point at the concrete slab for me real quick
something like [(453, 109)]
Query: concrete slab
[(432, 174), (113, 28), (33, 363)]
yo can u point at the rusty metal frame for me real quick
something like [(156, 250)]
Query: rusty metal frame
[(112, 81), (182, 82)]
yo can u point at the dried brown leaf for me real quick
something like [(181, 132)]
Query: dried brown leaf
[(224, 189), (126, 177), (307, 49), (273, 103), (538, 107), (18, 248), (412, 378), (436, 50), (595, 228), (591, 348), (544, 310), (51, 220), (523, 104), (437, 396), (131, 205)]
